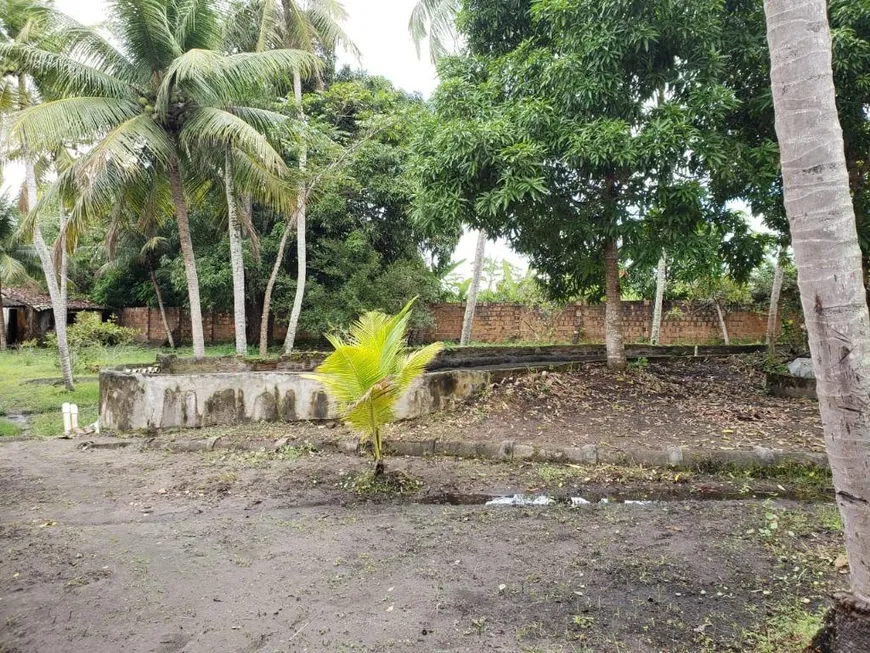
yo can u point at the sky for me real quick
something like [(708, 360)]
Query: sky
[(379, 28)]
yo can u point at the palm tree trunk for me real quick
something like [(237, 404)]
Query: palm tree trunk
[(270, 285), (2, 320), (188, 257), (64, 263), (236, 258), (58, 305), (613, 337), (723, 327), (302, 200), (290, 339), (160, 305), (661, 271), (471, 300), (828, 258), (773, 307)]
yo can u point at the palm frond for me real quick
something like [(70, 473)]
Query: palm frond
[(435, 20), (214, 79), (196, 24), (64, 75), (326, 17), (216, 127), (368, 373), (69, 121), (144, 28)]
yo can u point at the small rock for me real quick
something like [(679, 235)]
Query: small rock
[(502, 587), (842, 561), (161, 490)]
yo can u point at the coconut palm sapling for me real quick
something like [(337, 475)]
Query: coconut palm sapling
[(370, 370)]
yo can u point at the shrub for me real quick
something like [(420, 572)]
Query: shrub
[(89, 330), (89, 339)]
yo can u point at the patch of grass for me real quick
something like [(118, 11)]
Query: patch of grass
[(8, 428), (809, 477), (43, 400), (788, 628)]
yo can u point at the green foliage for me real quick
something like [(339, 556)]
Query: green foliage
[(89, 330), (17, 261), (590, 120), (751, 170), (90, 339), (639, 364), (370, 370)]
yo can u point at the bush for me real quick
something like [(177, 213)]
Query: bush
[(89, 330), (89, 337)]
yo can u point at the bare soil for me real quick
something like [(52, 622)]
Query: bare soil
[(122, 550), (706, 404)]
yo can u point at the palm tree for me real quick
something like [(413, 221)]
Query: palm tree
[(435, 20), (34, 24), (828, 259), (16, 260), (369, 372), (133, 237), (312, 26), (148, 108)]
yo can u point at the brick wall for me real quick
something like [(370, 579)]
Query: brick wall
[(513, 322), (697, 323)]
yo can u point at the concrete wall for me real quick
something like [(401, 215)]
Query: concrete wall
[(187, 393), (143, 399)]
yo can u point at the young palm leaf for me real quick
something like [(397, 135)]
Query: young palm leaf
[(369, 372)]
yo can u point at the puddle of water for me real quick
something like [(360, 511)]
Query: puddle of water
[(604, 497), (543, 500), (521, 500)]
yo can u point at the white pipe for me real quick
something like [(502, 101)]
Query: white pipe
[(67, 418)]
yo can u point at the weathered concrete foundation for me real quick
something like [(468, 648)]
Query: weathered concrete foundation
[(188, 393), (137, 400)]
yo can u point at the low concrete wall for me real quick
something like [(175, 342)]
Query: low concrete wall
[(187, 393), (139, 400), (792, 387)]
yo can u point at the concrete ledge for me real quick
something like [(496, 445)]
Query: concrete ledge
[(590, 454)]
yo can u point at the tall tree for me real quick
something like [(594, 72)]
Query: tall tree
[(435, 21), (34, 24), (773, 305), (828, 258), (661, 279), (147, 101), (555, 132), (313, 26)]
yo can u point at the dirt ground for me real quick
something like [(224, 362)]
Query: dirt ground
[(126, 550)]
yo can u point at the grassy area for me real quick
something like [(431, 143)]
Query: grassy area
[(30, 384), (8, 428)]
